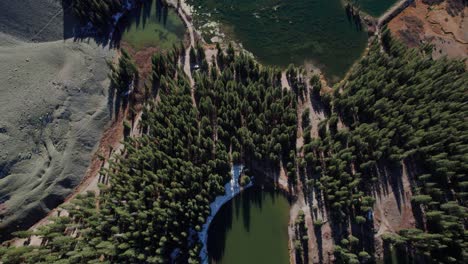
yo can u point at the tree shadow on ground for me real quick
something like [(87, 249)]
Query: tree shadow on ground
[(365, 233), (319, 240), (111, 36), (390, 179), (412, 170), (217, 233), (318, 106)]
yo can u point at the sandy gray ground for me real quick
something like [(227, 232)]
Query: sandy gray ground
[(54, 108)]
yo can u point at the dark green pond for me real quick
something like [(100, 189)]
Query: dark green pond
[(281, 32), (250, 229), (153, 25)]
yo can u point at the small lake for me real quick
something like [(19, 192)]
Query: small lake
[(252, 228), (281, 32), (153, 25)]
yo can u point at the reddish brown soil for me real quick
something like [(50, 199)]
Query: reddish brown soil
[(109, 141), (441, 23), (142, 59)]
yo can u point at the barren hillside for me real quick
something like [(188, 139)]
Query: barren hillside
[(54, 109)]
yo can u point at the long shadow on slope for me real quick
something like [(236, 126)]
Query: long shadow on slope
[(111, 36), (390, 179), (69, 21)]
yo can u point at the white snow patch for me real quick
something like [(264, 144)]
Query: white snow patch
[(232, 188)]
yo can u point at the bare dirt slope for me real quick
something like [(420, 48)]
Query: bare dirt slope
[(54, 105), (441, 23)]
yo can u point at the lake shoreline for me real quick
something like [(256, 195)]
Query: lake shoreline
[(333, 61), (231, 190), (266, 180), (251, 228)]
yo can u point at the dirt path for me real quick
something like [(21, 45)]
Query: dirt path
[(284, 81), (386, 17), (300, 203), (184, 13), (321, 238), (396, 9), (320, 244)]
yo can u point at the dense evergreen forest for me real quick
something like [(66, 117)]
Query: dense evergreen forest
[(397, 106)]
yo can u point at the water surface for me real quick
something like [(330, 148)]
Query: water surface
[(153, 25), (281, 32), (375, 7), (252, 228)]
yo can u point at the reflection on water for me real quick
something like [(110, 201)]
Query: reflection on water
[(251, 228)]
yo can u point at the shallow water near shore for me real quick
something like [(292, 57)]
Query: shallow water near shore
[(153, 25), (251, 228)]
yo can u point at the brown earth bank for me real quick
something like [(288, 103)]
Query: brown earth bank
[(443, 24)]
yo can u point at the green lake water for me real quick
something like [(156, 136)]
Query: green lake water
[(153, 25), (252, 228), (375, 7), (281, 32)]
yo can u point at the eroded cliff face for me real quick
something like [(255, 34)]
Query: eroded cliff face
[(54, 108)]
